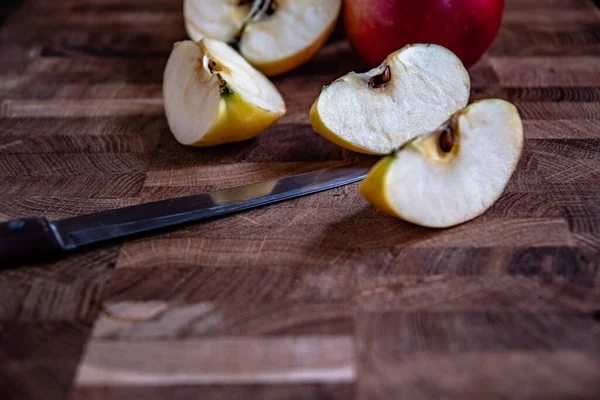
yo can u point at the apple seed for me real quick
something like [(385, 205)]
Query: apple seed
[(262, 8), (380, 80), (271, 9), (447, 140), (259, 10)]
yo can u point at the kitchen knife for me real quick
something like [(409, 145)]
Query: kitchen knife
[(36, 239)]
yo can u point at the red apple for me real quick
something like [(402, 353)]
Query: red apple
[(377, 28)]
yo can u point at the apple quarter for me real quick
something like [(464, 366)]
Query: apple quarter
[(413, 92), (455, 173)]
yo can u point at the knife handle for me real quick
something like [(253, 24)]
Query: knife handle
[(27, 240)]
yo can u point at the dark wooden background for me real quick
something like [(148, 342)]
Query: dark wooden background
[(318, 298)]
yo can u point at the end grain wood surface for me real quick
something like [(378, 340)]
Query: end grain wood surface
[(318, 298)]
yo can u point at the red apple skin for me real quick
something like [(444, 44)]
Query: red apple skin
[(377, 28)]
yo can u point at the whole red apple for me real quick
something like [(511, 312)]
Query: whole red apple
[(377, 28)]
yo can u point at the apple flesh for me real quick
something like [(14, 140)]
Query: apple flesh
[(275, 36), (455, 173), (415, 90), (213, 96), (378, 27)]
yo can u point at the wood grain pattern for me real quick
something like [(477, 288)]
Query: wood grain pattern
[(489, 375), (79, 108), (540, 72), (39, 359), (232, 360), (330, 391), (478, 294), (321, 297)]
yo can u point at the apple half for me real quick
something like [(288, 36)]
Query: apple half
[(453, 174), (213, 96), (275, 36), (411, 93)]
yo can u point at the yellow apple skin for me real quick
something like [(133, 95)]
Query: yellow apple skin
[(294, 61), (373, 190), (319, 126), (229, 101), (238, 120), (372, 187)]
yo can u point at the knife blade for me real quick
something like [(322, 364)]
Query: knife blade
[(36, 239)]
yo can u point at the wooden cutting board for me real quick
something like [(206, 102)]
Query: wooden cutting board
[(317, 298)]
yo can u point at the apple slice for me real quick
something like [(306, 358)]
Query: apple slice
[(413, 92), (453, 174), (275, 36), (213, 96)]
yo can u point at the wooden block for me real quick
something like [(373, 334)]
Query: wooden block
[(560, 40), (523, 205), (528, 5), (336, 244), (485, 261), (569, 262), (81, 135), (14, 59), (558, 111), (115, 19), (560, 129), (580, 207), (491, 91), (589, 227), (567, 162), (39, 360), (264, 250), (526, 232), (152, 193), (491, 375), (94, 70), (483, 74), (547, 72), (526, 178), (103, 6), (590, 243), (80, 108), (573, 202), (541, 16), (209, 177), (61, 291), (398, 335), (102, 42), (107, 34), (330, 391), (58, 165), (160, 320), (280, 143), (57, 207), (232, 285), (553, 93), (309, 359), (484, 81), (79, 185), (267, 221), (46, 300), (21, 88), (443, 293)]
